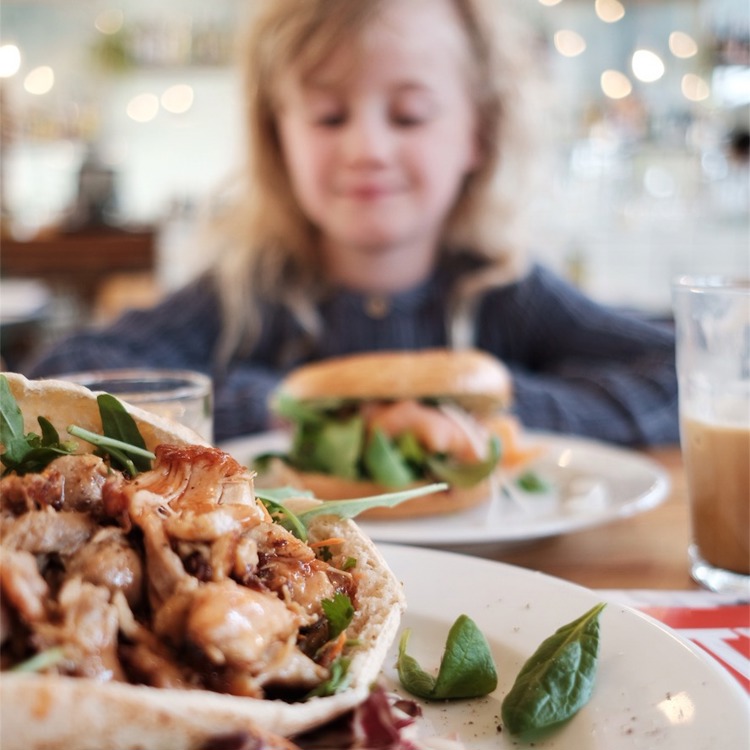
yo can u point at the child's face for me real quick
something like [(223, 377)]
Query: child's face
[(378, 142)]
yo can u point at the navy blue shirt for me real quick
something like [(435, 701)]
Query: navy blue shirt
[(578, 367)]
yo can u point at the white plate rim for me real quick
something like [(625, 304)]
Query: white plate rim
[(485, 524), (648, 674)]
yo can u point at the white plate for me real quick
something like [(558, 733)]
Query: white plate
[(593, 483), (653, 689)]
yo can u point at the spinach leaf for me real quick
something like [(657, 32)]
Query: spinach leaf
[(385, 463), (557, 680), (467, 669), (530, 481), (466, 475)]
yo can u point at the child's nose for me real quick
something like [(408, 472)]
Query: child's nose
[(368, 138)]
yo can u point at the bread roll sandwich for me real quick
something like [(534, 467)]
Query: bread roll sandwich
[(382, 421), (165, 605)]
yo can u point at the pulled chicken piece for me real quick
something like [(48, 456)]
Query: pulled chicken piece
[(108, 560), (85, 623), (21, 585), (68, 483), (176, 578), (48, 531)]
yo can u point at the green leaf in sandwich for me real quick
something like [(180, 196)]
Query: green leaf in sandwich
[(384, 421)]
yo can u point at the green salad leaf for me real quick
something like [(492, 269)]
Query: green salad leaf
[(386, 463), (466, 670), (41, 661), (339, 612), (330, 437), (273, 499), (466, 475), (27, 452), (300, 411), (337, 681), (298, 522), (122, 441), (557, 680), (331, 446), (118, 424), (530, 481), (352, 508)]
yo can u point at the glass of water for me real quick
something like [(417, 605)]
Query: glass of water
[(184, 396)]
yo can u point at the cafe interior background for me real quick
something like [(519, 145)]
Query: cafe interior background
[(121, 123)]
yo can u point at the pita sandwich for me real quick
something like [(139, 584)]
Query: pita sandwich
[(171, 609)]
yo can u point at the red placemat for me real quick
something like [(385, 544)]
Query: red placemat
[(718, 624)]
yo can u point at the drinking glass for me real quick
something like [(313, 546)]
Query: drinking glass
[(712, 318), (184, 396)]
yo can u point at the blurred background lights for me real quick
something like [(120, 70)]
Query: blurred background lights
[(682, 44), (177, 99), (143, 107), (659, 182), (569, 43), (730, 85), (694, 88), (109, 21), (647, 66), (549, 3), (615, 85), (609, 11), (10, 60), (40, 80)]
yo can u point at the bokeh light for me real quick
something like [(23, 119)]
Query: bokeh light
[(40, 80), (569, 43), (647, 66), (143, 107), (615, 85), (177, 99)]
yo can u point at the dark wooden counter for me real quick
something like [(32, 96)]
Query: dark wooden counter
[(79, 262)]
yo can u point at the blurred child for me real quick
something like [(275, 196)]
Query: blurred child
[(392, 146)]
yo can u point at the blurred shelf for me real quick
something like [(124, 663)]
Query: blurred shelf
[(79, 262)]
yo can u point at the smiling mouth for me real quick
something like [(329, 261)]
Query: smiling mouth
[(369, 192)]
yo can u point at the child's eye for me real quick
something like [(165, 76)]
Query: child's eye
[(330, 120), (411, 110), (407, 120)]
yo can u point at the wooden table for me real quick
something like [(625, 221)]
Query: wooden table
[(646, 551)]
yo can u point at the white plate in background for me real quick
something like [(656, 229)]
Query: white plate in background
[(592, 483)]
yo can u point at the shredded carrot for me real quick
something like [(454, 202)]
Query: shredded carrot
[(515, 453), (326, 542), (332, 650)]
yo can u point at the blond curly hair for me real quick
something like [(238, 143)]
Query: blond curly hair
[(267, 247)]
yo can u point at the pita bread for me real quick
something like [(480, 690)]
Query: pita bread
[(50, 712)]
